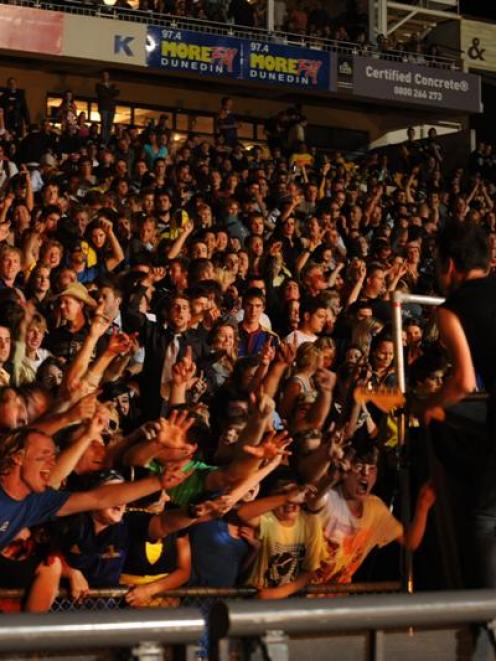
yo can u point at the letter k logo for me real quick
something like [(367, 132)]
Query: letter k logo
[(122, 45)]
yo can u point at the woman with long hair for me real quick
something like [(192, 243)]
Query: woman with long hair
[(300, 390), (219, 366)]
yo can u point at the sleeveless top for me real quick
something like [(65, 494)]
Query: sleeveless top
[(474, 303), (308, 393)]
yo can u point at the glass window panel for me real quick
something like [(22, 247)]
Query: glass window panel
[(53, 102), (94, 114), (82, 106), (122, 115), (245, 130), (202, 124), (260, 132), (143, 115), (182, 123)]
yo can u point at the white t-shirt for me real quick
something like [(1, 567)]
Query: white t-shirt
[(300, 337), (349, 539), (34, 363)]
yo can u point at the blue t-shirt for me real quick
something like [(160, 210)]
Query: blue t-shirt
[(216, 556), (35, 508), (101, 556)]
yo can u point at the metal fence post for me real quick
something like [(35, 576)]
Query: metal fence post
[(148, 651), (272, 646), (377, 645), (402, 455)]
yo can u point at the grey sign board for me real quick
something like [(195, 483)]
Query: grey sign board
[(411, 83)]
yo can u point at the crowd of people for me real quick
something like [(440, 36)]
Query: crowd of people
[(314, 20), (183, 327)]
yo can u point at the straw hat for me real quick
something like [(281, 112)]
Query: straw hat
[(79, 292)]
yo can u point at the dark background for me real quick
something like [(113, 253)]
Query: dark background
[(479, 8)]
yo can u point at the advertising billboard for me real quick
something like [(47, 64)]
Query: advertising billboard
[(92, 38), (31, 30), (229, 57), (411, 83)]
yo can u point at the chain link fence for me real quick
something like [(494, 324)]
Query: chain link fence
[(196, 597)]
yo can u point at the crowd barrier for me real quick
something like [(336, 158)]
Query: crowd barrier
[(112, 598), (393, 625), (145, 636), (103, 611), (386, 627)]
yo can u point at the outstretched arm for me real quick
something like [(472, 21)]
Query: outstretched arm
[(415, 533), (111, 495)]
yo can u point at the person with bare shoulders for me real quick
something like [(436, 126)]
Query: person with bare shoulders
[(467, 329)]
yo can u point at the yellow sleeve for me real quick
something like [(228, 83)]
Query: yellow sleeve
[(315, 547)]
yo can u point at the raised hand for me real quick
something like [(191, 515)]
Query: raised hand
[(85, 408), (157, 273), (325, 380), (210, 317), (297, 495), (274, 445), (214, 509), (188, 228), (119, 344), (172, 477), (286, 352), (268, 352), (262, 404), (106, 225), (99, 421), (362, 270), (198, 387), (172, 430), (150, 430), (340, 458), (184, 371), (8, 201), (100, 322)]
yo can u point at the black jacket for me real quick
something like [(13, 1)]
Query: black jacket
[(155, 339)]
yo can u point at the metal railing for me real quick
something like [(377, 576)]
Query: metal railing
[(398, 299), (252, 33), (31, 632), (199, 593), (403, 468), (301, 616), (283, 630)]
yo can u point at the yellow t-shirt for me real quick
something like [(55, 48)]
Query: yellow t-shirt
[(301, 159), (287, 551)]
